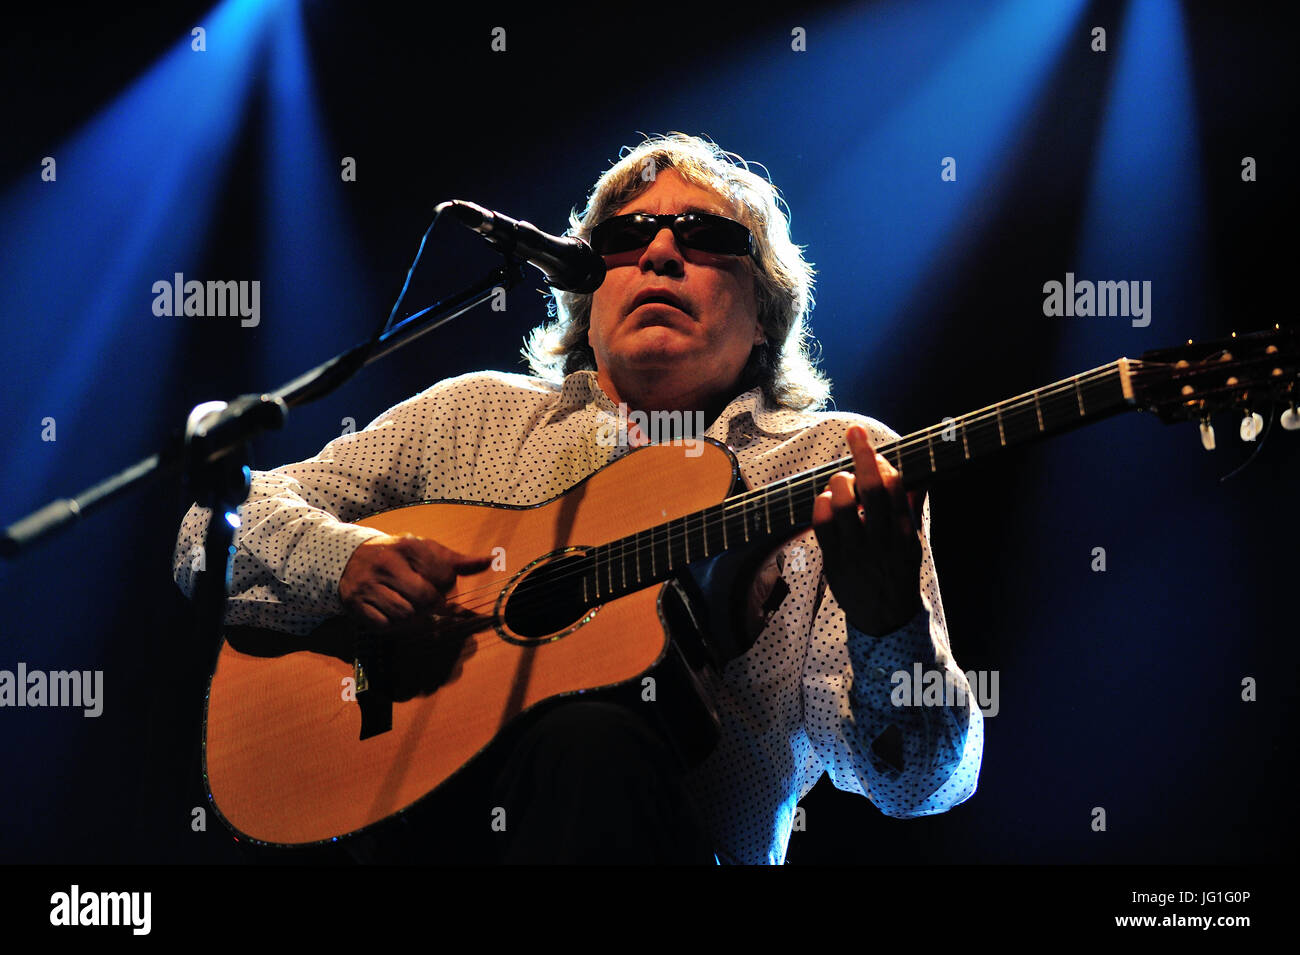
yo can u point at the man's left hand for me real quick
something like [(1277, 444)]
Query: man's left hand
[(870, 545)]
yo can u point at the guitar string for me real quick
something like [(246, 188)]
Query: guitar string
[(788, 488), (797, 484), (466, 620)]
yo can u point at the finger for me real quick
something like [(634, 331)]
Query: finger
[(388, 567), (369, 614), (890, 477), (864, 518), (430, 560), (855, 538), (472, 565), (915, 510), (826, 529), (916, 501), (823, 513), (893, 482), (415, 588), (843, 495), (844, 515), (876, 478), (864, 461), (390, 606), (390, 603), (900, 500), (440, 564)]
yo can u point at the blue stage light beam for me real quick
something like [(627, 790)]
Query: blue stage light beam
[(1145, 218), (856, 129), (1143, 221), (313, 292), (130, 205), (968, 106)]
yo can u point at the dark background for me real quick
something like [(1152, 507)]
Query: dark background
[(1118, 689)]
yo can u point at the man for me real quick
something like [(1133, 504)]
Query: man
[(702, 313)]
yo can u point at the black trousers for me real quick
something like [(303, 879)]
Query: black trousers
[(585, 783)]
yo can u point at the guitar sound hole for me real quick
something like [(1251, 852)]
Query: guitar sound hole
[(549, 599)]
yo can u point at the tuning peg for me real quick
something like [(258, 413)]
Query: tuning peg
[(1251, 425), (1291, 419), (1207, 434)]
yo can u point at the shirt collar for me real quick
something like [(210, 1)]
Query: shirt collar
[(582, 387)]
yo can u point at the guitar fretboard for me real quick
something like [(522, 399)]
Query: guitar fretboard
[(631, 563)]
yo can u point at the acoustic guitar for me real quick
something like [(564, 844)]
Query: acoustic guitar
[(630, 582)]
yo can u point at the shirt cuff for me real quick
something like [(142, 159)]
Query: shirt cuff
[(316, 565), (881, 656), (891, 673)]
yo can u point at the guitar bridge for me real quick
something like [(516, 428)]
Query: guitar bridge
[(376, 710)]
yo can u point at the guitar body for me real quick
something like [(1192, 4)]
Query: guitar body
[(286, 760), (292, 756)]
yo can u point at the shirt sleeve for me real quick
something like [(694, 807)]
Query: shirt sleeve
[(911, 753), (295, 537)]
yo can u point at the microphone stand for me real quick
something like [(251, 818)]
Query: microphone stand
[(212, 449)]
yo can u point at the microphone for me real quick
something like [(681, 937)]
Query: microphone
[(568, 264)]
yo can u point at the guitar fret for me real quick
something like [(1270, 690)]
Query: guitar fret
[(1014, 427)]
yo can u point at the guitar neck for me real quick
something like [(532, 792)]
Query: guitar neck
[(921, 457), (949, 446)]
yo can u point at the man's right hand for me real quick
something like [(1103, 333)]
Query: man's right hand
[(390, 581)]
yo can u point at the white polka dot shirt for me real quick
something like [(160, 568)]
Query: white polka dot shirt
[(811, 695)]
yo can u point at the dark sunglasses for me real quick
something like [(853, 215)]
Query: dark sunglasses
[(694, 230)]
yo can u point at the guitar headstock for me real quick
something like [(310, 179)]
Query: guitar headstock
[(1245, 374)]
